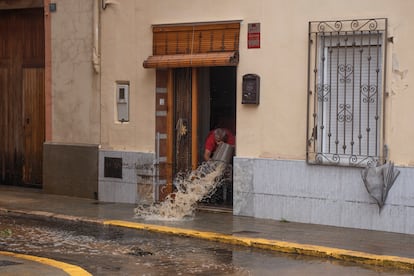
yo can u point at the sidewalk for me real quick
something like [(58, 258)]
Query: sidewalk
[(362, 246)]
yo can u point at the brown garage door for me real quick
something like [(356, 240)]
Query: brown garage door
[(22, 127)]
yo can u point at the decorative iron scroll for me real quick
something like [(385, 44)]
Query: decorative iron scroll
[(345, 71), (348, 25), (345, 113), (323, 92), (369, 92), (351, 160)]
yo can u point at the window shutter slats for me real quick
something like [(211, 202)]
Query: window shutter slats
[(196, 39)]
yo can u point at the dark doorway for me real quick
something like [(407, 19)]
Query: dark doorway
[(217, 108), (217, 101), (223, 98)]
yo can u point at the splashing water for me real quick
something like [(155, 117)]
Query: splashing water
[(191, 188)]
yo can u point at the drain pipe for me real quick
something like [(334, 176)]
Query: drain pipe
[(96, 58), (96, 63)]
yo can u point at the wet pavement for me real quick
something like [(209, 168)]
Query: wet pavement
[(108, 251), (361, 246)]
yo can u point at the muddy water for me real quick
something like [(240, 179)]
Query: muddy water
[(191, 188), (118, 251)]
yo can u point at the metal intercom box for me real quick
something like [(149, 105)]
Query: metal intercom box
[(122, 102), (251, 89)]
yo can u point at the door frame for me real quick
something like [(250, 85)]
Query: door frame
[(196, 142)]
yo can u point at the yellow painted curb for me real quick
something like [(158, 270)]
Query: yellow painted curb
[(68, 268), (276, 245)]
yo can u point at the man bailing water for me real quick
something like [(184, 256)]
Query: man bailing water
[(215, 138)]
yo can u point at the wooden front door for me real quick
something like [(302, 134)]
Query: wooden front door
[(22, 124), (182, 119)]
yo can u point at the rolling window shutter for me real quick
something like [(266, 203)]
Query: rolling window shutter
[(194, 45), (352, 104)]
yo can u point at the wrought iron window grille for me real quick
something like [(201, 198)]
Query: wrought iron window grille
[(346, 81)]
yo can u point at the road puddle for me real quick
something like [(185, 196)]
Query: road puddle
[(119, 251)]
